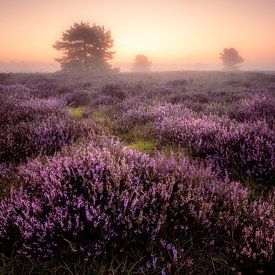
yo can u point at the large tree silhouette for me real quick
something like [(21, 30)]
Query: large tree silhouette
[(85, 48), (141, 63), (231, 58)]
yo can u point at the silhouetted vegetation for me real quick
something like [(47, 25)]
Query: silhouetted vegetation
[(231, 58), (85, 48), (142, 63)]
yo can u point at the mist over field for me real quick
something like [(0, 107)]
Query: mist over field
[(34, 67), (184, 35), (137, 137)]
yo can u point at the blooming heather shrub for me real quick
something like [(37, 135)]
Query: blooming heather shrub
[(14, 89), (227, 95), (225, 209), (140, 114), (238, 83), (220, 109), (103, 100), (177, 83), (5, 171), (103, 197), (78, 98), (30, 139), (218, 101), (43, 88), (33, 126), (189, 132), (110, 197), (5, 78), (248, 148), (242, 149), (14, 110), (113, 90), (194, 106), (65, 89), (190, 96), (132, 117), (259, 108)]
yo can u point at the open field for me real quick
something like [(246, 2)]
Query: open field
[(137, 173)]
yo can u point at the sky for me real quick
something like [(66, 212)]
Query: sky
[(174, 34)]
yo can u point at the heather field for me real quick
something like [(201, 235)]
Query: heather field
[(156, 173)]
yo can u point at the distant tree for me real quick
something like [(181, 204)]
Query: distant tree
[(141, 63), (231, 58), (85, 48)]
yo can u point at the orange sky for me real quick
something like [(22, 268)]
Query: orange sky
[(173, 32)]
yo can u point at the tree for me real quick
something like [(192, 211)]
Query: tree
[(85, 48), (231, 58), (142, 63)]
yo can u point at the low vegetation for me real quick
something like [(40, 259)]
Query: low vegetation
[(171, 173)]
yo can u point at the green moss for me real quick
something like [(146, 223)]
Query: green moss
[(144, 146), (127, 137), (139, 132), (76, 112), (102, 120), (100, 117)]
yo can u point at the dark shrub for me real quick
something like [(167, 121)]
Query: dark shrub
[(78, 98), (113, 90), (177, 83)]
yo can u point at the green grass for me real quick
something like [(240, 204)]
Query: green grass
[(102, 120), (127, 137), (139, 132), (139, 139), (144, 146), (76, 112), (100, 117), (128, 261)]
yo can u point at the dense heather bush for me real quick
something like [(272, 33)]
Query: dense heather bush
[(19, 104), (259, 108), (113, 90), (29, 139), (78, 98), (103, 100), (227, 95), (5, 170), (110, 198), (219, 101), (5, 78), (238, 83), (177, 83), (45, 84), (190, 96), (33, 126), (15, 91), (140, 114), (43, 88), (104, 197), (14, 111), (242, 149)]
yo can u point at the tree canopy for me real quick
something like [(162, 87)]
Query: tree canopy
[(231, 58), (85, 48), (141, 63)]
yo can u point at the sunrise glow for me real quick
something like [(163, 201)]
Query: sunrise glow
[(178, 32)]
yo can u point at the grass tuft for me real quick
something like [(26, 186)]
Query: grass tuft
[(76, 112), (144, 146)]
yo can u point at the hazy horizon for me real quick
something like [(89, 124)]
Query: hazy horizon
[(184, 35)]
